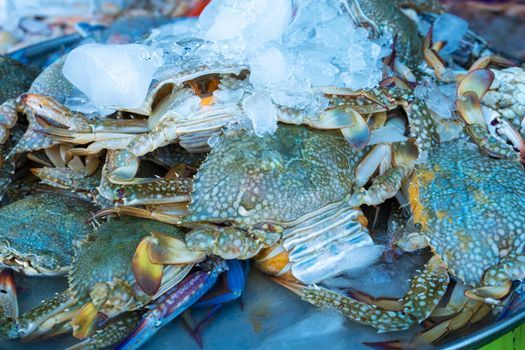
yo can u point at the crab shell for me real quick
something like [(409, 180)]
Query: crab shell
[(297, 178), (15, 78), (50, 82), (38, 233), (103, 269), (469, 207)]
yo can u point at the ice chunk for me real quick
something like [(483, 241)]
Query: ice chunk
[(253, 22), (113, 75), (261, 111), (451, 29), (440, 99), (270, 69)]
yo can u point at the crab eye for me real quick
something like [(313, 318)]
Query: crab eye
[(418, 226)]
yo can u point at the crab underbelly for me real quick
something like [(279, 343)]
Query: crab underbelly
[(321, 246)]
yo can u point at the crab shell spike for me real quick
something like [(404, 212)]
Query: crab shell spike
[(86, 322), (469, 107), (163, 249), (477, 81), (148, 275)]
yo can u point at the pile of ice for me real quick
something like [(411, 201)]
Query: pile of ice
[(290, 47)]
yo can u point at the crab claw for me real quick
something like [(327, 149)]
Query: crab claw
[(477, 81), (148, 275), (8, 300), (170, 305), (163, 249), (86, 322), (153, 253), (469, 108), (431, 56), (47, 107), (486, 61), (352, 124)]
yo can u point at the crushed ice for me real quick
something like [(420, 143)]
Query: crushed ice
[(289, 46)]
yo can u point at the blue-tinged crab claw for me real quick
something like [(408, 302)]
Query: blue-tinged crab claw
[(171, 304)]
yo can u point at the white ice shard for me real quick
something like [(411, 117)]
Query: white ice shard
[(113, 76), (252, 22), (261, 111), (270, 69)]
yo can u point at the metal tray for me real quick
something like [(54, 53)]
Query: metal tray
[(271, 317)]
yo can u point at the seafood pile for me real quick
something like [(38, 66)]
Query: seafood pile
[(271, 133)]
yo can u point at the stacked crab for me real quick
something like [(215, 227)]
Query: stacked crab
[(209, 162)]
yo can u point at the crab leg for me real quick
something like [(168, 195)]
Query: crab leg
[(112, 333), (8, 118), (31, 320), (387, 185), (171, 304), (50, 109), (171, 216), (148, 191), (431, 56), (424, 294), (473, 312), (8, 299), (65, 178)]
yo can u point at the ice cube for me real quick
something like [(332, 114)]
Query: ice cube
[(451, 29), (261, 111), (113, 76), (269, 69), (253, 21), (440, 99)]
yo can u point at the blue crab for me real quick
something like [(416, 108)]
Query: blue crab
[(37, 237), (281, 192), (111, 273), (15, 78), (469, 220)]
